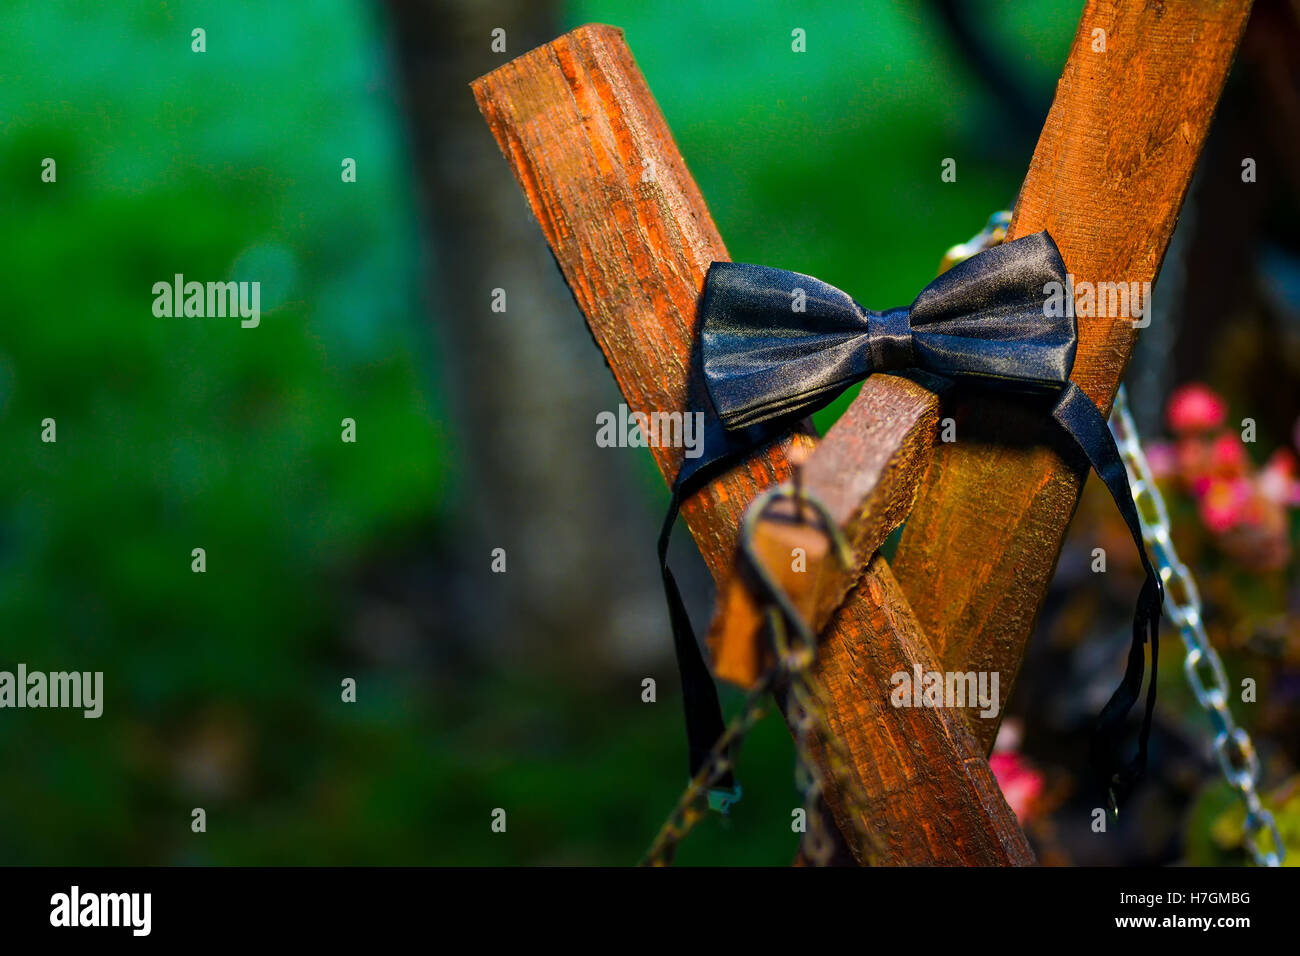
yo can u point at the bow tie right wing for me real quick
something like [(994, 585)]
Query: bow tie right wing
[(777, 343), (986, 320)]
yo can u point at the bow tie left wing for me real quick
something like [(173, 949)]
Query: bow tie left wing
[(777, 342)]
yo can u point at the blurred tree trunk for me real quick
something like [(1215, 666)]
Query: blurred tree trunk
[(523, 385)]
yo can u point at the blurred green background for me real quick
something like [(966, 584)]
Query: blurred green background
[(328, 560)]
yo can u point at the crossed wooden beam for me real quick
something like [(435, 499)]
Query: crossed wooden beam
[(986, 515)]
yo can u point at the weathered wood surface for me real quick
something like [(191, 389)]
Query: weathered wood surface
[(1107, 180), (930, 795), (633, 238), (866, 473), (631, 234), (933, 800)]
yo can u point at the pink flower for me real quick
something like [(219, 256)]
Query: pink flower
[(1223, 505), (1228, 455), (1277, 480), (1163, 459), (1195, 455), (1195, 407), (1021, 784)]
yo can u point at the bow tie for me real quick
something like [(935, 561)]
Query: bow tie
[(779, 343), (776, 346)]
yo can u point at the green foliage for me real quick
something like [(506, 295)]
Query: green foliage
[(177, 433), (1216, 825)]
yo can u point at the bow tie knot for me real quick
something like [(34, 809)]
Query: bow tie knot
[(889, 336)]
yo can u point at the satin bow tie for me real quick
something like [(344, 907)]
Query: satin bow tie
[(776, 346), (779, 343)]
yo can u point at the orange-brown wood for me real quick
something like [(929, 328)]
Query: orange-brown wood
[(929, 795), (631, 234), (1107, 180), (932, 798), (633, 238), (865, 472)]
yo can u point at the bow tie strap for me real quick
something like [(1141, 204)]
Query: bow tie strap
[(704, 722), (1084, 423)]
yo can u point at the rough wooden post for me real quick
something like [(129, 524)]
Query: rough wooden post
[(929, 793), (630, 232), (1107, 180), (633, 238)]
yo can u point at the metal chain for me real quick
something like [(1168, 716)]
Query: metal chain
[(795, 668), (993, 233), (692, 805), (1232, 745), (792, 674), (817, 845), (809, 717)]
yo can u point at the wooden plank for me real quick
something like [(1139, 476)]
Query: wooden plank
[(1107, 180), (631, 234), (931, 796), (633, 238), (928, 793), (866, 473)]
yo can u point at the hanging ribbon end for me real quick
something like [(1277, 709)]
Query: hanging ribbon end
[(722, 799)]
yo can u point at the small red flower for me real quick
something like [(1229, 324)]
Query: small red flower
[(1223, 505), (1228, 456), (1195, 407), (1021, 784)]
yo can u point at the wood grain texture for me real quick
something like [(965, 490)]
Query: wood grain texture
[(631, 234), (580, 130), (1107, 180), (932, 797), (866, 473)]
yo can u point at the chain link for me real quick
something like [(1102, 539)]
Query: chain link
[(807, 693), (692, 805), (796, 660), (993, 233), (1233, 747)]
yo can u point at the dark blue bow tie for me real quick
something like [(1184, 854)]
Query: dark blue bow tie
[(776, 346), (779, 343)]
